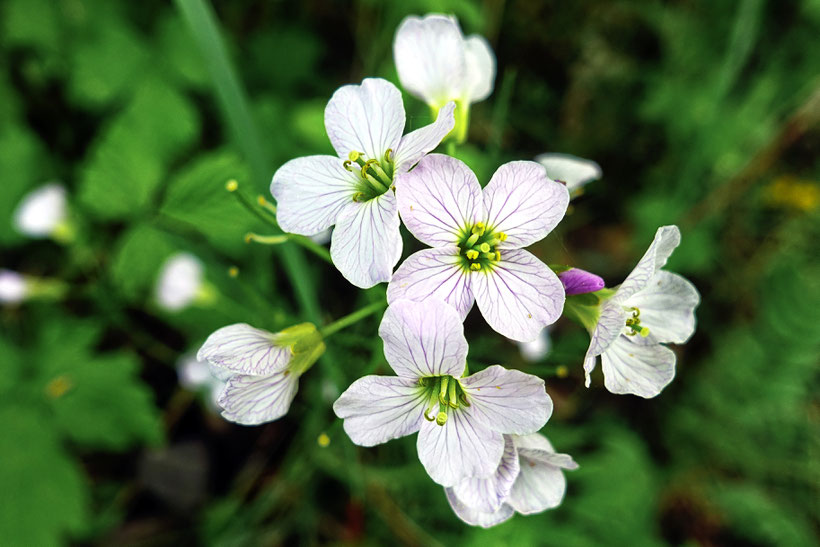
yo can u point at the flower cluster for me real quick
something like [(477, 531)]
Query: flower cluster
[(478, 432)]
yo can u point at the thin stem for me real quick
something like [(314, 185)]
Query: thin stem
[(265, 240), (354, 317), (312, 246)]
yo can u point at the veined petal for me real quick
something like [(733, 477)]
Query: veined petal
[(376, 409), (609, 327), (430, 58), (480, 74), (573, 171), (637, 369), (310, 192), (666, 239), (541, 483), (433, 273), (423, 339), (507, 401), (487, 494), (367, 118), (252, 400), (474, 517), (524, 203), (667, 306), (243, 349), (460, 448), (519, 296), (439, 198), (416, 144), (366, 243)]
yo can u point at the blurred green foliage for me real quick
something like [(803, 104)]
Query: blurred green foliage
[(700, 113)]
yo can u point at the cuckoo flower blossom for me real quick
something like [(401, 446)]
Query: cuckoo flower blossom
[(44, 213), (180, 282), (262, 369), (354, 191), (477, 238), (650, 308), (461, 421), (437, 64), (578, 281), (572, 171), (528, 480), (13, 287)]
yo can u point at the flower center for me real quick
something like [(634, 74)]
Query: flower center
[(445, 391), (633, 323), (478, 247), (375, 175)]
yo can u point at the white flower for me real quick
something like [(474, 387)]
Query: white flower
[(650, 308), (572, 171), (13, 287), (437, 64), (354, 191), (262, 369), (461, 420), (180, 281), (200, 376), (477, 238), (529, 480), (43, 212), (536, 350)]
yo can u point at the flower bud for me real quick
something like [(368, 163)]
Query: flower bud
[(577, 281)]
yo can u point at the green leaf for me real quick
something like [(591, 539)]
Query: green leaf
[(196, 196), (131, 156), (43, 498), (30, 23), (137, 260)]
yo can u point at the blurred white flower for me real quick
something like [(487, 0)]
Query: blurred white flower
[(13, 287), (573, 171), (198, 376), (437, 64), (43, 213), (536, 350), (180, 281)]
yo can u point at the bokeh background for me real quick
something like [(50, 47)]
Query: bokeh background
[(701, 113)]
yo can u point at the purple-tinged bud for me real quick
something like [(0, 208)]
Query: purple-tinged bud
[(577, 281)]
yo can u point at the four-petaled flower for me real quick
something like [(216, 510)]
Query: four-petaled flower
[(437, 64), (651, 307), (529, 480), (573, 171), (477, 238), (461, 421), (262, 369), (354, 191), (44, 213)]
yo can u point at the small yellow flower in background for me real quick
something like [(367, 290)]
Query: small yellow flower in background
[(789, 192), (323, 440), (59, 386)]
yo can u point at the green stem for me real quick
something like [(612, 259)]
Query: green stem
[(319, 250), (354, 317)]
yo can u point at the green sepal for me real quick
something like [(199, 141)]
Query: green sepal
[(585, 309), (560, 268)]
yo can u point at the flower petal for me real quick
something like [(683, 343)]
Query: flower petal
[(243, 349), (655, 257), (539, 486), (538, 447), (573, 171), (667, 306), (366, 243), (480, 68), (460, 448), (519, 296), (487, 494), (637, 369), (423, 339), (430, 58), (252, 400), (474, 517), (438, 199), (415, 145), (310, 192), (40, 211), (376, 409), (433, 273), (179, 282), (609, 326), (524, 203), (508, 401), (367, 118)]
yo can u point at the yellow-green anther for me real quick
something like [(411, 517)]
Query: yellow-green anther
[(354, 155), (387, 155), (497, 255), (473, 238), (502, 236), (490, 256), (464, 400), (475, 266), (347, 165), (644, 332), (442, 394), (452, 398), (441, 418), (484, 247), (479, 228), (358, 196), (472, 254), (427, 415)]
